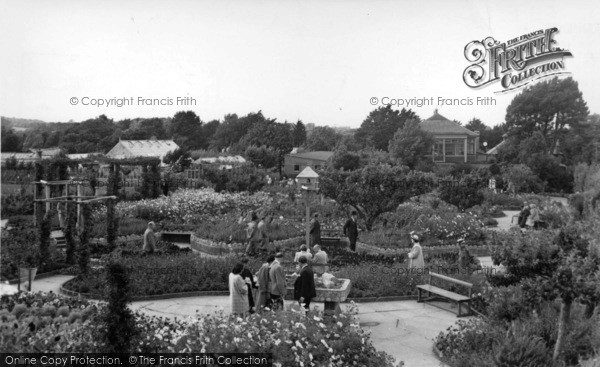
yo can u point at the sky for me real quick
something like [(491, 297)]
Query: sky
[(322, 62)]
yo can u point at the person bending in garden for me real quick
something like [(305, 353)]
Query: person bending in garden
[(253, 235), (249, 279), (149, 239), (415, 255), (351, 230), (315, 230), (264, 296), (535, 216), (277, 282), (304, 286), (238, 292), (523, 215)]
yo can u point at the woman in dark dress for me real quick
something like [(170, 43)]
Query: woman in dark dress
[(248, 277)]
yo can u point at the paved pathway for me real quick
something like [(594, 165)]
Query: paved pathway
[(404, 329)]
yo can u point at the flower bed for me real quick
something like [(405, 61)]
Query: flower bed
[(292, 338), (222, 248), (228, 228), (188, 205), (164, 273)]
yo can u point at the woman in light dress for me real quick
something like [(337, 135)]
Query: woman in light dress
[(415, 255), (238, 292)]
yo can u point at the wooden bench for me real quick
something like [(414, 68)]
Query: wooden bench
[(459, 299)]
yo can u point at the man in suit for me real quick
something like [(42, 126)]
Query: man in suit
[(264, 295), (351, 230), (304, 286), (315, 231), (277, 282)]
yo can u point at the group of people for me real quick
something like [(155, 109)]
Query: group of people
[(529, 212), (269, 282), (258, 236)]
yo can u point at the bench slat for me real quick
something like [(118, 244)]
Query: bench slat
[(443, 277), (444, 293)]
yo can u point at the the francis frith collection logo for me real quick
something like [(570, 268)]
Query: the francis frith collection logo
[(516, 62)]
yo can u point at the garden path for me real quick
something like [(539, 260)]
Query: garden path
[(404, 329)]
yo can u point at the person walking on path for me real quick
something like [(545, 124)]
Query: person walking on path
[(253, 236), (315, 231), (416, 253), (264, 233), (238, 292), (149, 239), (263, 298), (277, 285), (249, 279), (304, 286), (351, 230), (523, 215)]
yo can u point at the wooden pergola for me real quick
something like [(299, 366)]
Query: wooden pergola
[(79, 199)]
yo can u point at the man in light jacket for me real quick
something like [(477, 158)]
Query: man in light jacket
[(277, 282), (264, 295), (149, 239)]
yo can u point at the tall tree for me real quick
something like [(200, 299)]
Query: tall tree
[(323, 138), (476, 124), (10, 141), (410, 144), (186, 128), (299, 133), (233, 129), (550, 106), (374, 189), (381, 125)]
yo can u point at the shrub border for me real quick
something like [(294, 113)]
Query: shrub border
[(438, 355), (99, 297), (41, 275)]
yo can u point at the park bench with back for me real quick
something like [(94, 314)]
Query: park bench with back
[(457, 298)]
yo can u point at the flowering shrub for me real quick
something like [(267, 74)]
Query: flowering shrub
[(188, 205), (503, 200), (292, 338), (449, 227), (373, 280)]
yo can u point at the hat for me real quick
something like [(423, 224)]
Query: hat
[(461, 240), (279, 255), (415, 237)]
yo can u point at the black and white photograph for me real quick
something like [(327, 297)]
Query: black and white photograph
[(300, 183)]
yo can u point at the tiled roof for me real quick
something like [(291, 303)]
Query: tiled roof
[(307, 173), (223, 159), (439, 125), (24, 157), (495, 149), (142, 148), (320, 155)]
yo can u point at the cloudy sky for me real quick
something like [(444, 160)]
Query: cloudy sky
[(318, 61)]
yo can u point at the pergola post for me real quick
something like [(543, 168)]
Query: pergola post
[(79, 224), (47, 196), (466, 149)]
